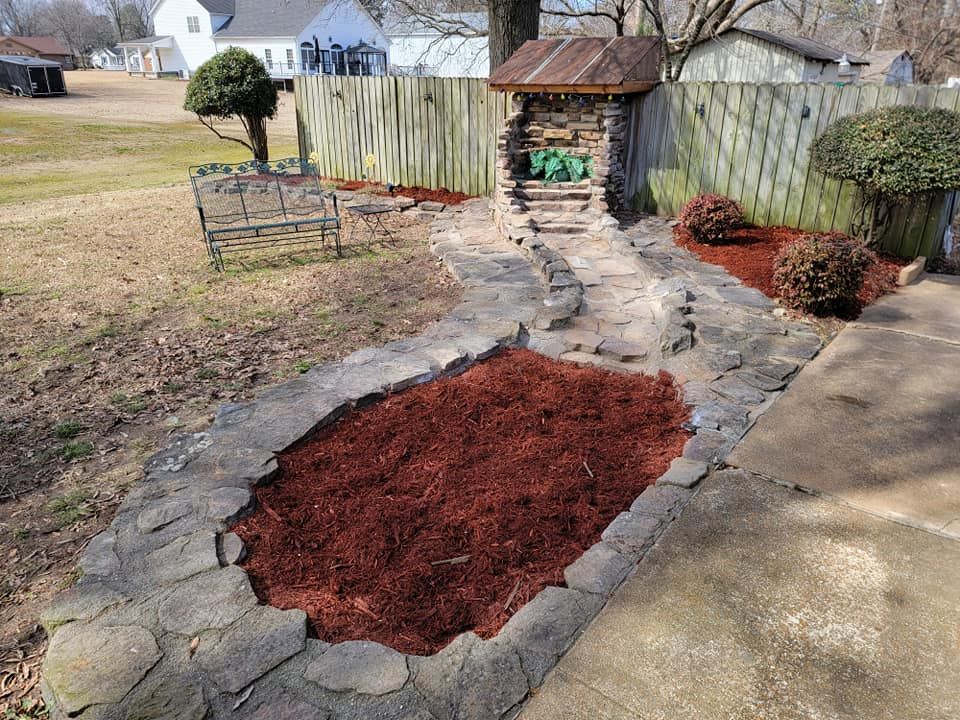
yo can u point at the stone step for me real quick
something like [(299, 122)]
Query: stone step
[(557, 227), (538, 206), (525, 193)]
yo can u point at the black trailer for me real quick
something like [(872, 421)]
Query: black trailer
[(30, 76)]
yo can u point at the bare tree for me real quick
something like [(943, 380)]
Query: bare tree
[(20, 17), (929, 29), (615, 13), (74, 24), (130, 18)]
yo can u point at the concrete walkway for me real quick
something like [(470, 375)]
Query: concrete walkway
[(836, 600)]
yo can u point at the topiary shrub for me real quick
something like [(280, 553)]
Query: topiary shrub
[(821, 273), (894, 155), (234, 83), (709, 217)]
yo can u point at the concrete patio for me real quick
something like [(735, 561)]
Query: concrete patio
[(820, 579)]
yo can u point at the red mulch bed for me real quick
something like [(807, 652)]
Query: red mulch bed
[(750, 252), (447, 197), (514, 468)]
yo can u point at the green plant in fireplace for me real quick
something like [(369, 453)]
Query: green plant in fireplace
[(555, 165)]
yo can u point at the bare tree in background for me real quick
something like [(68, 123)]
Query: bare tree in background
[(74, 24), (20, 17), (597, 17), (130, 18), (845, 24), (929, 29)]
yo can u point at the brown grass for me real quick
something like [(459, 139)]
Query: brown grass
[(116, 334)]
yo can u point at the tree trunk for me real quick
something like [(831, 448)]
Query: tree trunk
[(512, 23), (257, 130)]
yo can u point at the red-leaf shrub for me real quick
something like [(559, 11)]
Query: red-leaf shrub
[(708, 217), (821, 273)]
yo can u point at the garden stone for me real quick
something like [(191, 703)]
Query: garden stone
[(737, 390), (252, 647), (431, 206), (227, 504), (718, 415), (402, 203), (366, 667), (761, 382), (684, 473), (92, 665), (583, 340), (545, 627), (599, 570), (777, 371), (179, 453), (83, 602), (232, 549), (632, 532), (287, 709), (708, 446), (99, 558), (471, 680), (659, 501), (183, 557), (741, 295), (172, 698), (162, 514), (478, 347), (622, 350), (675, 339), (210, 601), (722, 360)]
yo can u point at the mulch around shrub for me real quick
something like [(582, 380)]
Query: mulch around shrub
[(447, 507), (749, 254), (442, 195)]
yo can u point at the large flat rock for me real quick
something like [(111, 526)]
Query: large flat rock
[(873, 421), (765, 602)]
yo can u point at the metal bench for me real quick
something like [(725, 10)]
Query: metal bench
[(253, 205)]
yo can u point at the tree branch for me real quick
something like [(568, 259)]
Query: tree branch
[(209, 124)]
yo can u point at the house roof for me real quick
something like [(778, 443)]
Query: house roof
[(880, 62), (149, 40), (589, 65), (808, 48), (27, 60), (43, 45), (256, 18), (218, 7)]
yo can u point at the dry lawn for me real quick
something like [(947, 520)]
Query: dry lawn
[(116, 334)]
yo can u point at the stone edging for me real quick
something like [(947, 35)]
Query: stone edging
[(163, 624)]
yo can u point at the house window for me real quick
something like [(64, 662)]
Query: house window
[(308, 57), (289, 59), (268, 58), (193, 24), (336, 57)]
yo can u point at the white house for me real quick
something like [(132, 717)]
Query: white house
[(334, 37), (747, 55), (453, 46), (108, 59)]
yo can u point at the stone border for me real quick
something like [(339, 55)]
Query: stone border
[(163, 624)]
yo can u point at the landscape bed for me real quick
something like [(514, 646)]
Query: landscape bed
[(749, 254), (447, 507)]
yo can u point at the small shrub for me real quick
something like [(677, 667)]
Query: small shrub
[(558, 166), (821, 273), (76, 450), (709, 217), (70, 508), (67, 429)]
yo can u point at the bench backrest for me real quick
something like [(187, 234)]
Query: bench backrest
[(254, 192)]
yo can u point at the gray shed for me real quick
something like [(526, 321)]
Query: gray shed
[(745, 55), (31, 76)]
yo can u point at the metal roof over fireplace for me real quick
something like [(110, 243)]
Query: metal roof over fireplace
[(619, 65)]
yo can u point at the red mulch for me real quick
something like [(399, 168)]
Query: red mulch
[(750, 252), (490, 467), (447, 197)]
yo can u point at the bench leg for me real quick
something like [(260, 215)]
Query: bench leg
[(217, 259)]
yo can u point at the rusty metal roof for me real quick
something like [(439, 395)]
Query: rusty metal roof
[(600, 64)]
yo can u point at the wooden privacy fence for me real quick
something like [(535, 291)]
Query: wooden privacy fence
[(752, 143), (428, 132)]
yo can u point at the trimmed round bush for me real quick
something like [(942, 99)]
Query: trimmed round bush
[(709, 217), (899, 151), (821, 273)]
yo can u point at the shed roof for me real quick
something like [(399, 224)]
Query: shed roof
[(28, 61), (808, 48), (593, 65)]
